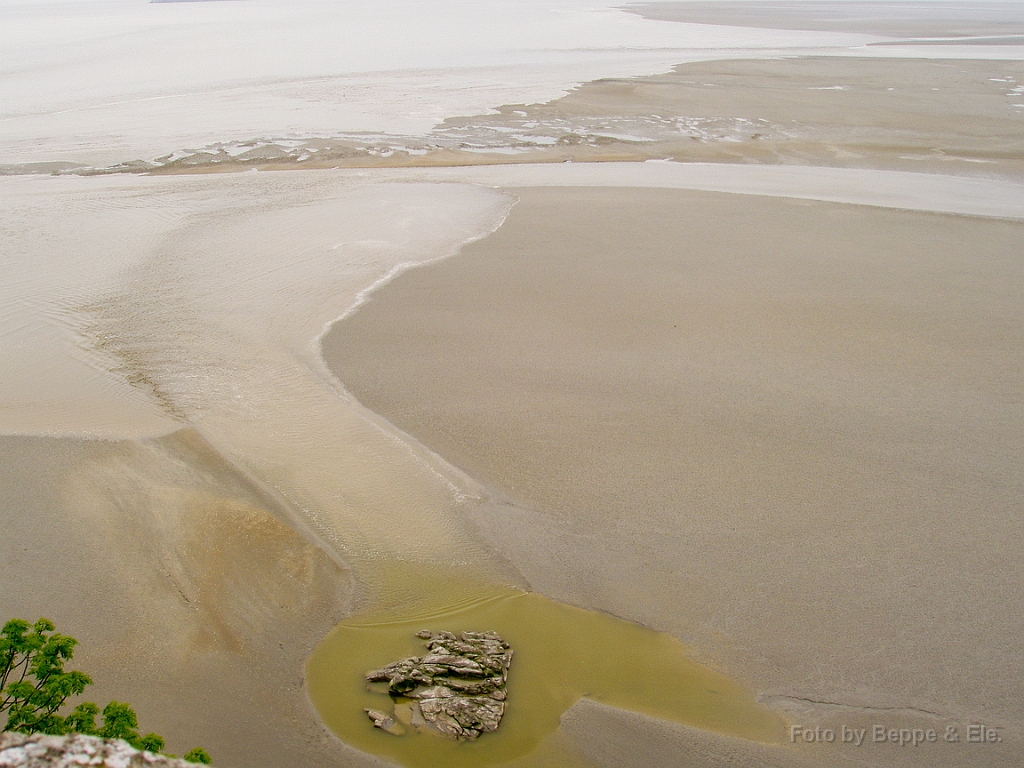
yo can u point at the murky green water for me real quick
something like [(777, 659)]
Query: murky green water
[(562, 653)]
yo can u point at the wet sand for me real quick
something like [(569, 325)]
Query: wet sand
[(198, 531), (947, 115), (192, 596), (809, 473), (883, 17), (787, 432), (234, 497), (938, 116)]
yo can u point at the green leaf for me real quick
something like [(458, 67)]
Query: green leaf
[(151, 742), (119, 722), (198, 755), (83, 719), (34, 686)]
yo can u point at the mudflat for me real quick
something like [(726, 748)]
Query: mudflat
[(786, 432), (940, 116), (953, 116), (892, 19)]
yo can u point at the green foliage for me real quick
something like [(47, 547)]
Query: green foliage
[(82, 719), (198, 755), (151, 743), (34, 686), (33, 683), (119, 722)]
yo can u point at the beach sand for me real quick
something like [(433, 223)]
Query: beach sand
[(787, 432)]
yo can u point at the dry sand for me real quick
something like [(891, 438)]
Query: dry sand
[(787, 432)]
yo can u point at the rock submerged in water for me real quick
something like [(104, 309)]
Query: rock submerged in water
[(385, 722), (457, 689)]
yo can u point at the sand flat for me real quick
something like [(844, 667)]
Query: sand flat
[(934, 115), (197, 574), (881, 17), (840, 108), (727, 417), (227, 350)]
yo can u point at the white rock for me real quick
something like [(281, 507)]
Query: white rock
[(19, 750)]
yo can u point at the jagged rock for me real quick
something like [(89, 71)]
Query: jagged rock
[(20, 750), (385, 722), (462, 717), (458, 686), (488, 685)]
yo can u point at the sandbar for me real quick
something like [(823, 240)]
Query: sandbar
[(892, 19)]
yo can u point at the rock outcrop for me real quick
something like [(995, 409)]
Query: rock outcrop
[(457, 689), (36, 750)]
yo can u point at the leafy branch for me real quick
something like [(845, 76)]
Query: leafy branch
[(34, 687)]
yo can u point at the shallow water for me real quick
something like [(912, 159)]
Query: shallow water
[(106, 81), (562, 653), (204, 304)]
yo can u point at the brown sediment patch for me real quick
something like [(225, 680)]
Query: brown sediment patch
[(788, 432), (190, 598)]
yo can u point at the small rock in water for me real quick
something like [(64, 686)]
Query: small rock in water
[(458, 687), (385, 722)]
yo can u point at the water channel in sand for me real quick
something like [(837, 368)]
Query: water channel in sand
[(211, 313)]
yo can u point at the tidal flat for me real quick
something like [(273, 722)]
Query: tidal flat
[(725, 444)]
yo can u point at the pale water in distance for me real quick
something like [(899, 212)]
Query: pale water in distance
[(107, 81)]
